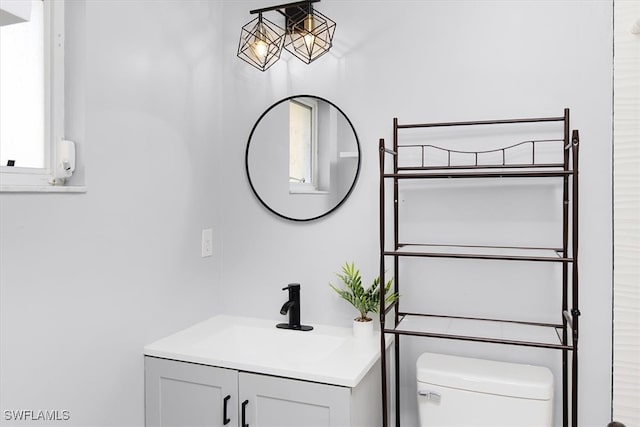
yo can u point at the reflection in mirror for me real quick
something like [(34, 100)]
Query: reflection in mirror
[(302, 158), (302, 145)]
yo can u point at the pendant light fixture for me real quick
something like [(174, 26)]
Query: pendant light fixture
[(261, 43), (307, 34)]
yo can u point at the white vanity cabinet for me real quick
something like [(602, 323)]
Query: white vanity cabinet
[(188, 394), (236, 372), (283, 402)]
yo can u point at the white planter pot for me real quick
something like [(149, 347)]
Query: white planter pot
[(362, 329)]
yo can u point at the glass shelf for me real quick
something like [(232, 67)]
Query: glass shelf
[(545, 335), (479, 252)]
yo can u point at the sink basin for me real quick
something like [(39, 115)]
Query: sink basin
[(327, 354), (274, 346)]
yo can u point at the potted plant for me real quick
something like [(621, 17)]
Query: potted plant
[(364, 300)]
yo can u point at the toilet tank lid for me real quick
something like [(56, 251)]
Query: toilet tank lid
[(486, 376)]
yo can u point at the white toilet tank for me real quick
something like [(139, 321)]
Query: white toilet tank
[(460, 391)]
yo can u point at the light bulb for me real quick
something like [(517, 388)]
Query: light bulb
[(309, 37), (260, 49), (309, 40)]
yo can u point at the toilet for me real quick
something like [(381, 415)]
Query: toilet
[(460, 391)]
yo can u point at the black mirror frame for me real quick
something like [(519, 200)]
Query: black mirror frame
[(355, 179)]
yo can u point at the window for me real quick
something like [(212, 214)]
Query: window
[(303, 175), (23, 91), (32, 98)]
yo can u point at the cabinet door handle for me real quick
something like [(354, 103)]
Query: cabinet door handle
[(244, 413), (225, 419)]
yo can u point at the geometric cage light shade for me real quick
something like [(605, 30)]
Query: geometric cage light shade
[(310, 37), (307, 34), (261, 43)]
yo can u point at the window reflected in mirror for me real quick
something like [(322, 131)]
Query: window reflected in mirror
[(303, 136)]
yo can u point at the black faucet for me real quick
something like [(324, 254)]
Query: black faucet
[(292, 306)]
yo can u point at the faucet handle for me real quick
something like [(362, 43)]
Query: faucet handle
[(293, 286)]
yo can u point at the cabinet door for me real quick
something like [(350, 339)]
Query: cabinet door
[(185, 394), (278, 402)]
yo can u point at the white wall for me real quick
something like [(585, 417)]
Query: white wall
[(165, 101), (425, 61), (86, 280)]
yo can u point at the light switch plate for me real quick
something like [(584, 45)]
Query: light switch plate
[(207, 242)]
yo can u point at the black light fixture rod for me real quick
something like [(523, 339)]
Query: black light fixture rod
[(283, 6)]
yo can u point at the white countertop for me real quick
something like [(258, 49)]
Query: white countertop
[(327, 354)]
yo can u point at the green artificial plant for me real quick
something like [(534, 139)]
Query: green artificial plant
[(364, 300)]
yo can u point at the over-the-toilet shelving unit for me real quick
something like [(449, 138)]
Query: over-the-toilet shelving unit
[(426, 160)]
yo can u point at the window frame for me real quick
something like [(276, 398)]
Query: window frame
[(312, 186), (23, 179)]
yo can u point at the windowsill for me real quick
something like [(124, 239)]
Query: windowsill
[(43, 189), (319, 192)]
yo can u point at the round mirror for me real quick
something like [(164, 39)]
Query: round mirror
[(302, 158)]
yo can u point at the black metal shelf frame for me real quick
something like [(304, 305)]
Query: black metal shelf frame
[(565, 331), (555, 327)]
